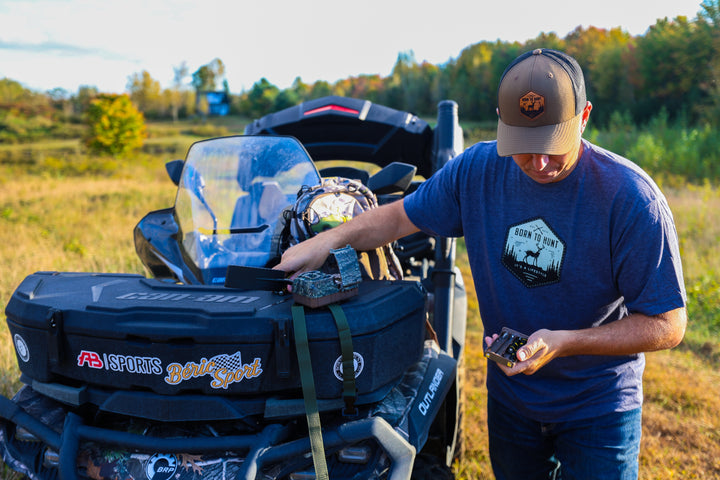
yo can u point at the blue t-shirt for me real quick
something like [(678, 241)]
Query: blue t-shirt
[(573, 254)]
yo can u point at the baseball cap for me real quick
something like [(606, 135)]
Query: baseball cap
[(541, 98)]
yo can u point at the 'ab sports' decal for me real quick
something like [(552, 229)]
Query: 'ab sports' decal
[(120, 363)]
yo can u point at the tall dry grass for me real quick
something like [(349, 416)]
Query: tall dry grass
[(69, 224)]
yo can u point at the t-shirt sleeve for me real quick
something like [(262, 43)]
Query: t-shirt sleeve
[(647, 261), (435, 207)]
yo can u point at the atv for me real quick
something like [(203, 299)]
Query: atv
[(194, 372)]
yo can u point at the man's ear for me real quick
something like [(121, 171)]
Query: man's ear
[(585, 116)]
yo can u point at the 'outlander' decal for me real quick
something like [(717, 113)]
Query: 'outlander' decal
[(534, 253)]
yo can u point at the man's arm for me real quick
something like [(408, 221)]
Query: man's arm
[(367, 231), (633, 334)]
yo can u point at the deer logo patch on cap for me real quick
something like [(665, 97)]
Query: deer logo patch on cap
[(532, 105)]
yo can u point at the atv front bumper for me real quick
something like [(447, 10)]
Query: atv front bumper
[(260, 450), (46, 439)]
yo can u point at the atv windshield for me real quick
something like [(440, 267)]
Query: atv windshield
[(231, 198)]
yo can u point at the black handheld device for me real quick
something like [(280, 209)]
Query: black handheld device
[(504, 349)]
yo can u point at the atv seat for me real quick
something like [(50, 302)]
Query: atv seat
[(261, 205), (259, 209)]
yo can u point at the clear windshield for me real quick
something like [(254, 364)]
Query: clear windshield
[(231, 197)]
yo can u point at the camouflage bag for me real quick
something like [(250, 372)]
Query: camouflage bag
[(337, 200)]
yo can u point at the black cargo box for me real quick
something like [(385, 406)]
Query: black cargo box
[(129, 332)]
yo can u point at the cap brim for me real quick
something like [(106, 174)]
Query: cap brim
[(556, 139)]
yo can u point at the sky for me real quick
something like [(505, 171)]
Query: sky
[(46, 44)]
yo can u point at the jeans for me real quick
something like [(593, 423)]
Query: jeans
[(602, 448)]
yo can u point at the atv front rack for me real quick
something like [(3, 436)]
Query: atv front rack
[(263, 448), (33, 424)]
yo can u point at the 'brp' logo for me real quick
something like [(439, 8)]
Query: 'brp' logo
[(21, 348), (358, 363), (161, 466)]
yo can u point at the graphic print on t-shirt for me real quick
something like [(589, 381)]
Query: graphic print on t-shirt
[(534, 253)]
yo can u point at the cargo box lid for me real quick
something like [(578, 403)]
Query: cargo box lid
[(126, 305)]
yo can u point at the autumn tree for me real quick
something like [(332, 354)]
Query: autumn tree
[(674, 57), (604, 56), (285, 99), (84, 97), (116, 126), (178, 96), (146, 94), (260, 99), (207, 77), (12, 92), (709, 20), (301, 89), (24, 114), (546, 40), (369, 87), (321, 88), (60, 100), (474, 76)]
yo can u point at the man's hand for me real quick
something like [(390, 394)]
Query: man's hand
[(305, 256), (371, 229), (630, 335), (541, 347)]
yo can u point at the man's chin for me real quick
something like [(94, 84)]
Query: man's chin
[(545, 177)]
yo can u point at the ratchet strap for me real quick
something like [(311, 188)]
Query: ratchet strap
[(307, 380)]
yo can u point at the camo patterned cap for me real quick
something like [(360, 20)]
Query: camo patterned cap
[(540, 103)]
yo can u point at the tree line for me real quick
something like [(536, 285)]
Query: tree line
[(673, 69)]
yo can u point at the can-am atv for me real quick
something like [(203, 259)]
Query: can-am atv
[(182, 377)]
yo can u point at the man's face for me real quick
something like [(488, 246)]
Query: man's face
[(548, 168), (553, 168)]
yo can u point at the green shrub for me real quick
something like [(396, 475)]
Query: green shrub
[(664, 149), (116, 126)]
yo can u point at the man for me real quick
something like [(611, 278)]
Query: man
[(567, 242)]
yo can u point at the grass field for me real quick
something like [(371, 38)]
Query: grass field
[(73, 213)]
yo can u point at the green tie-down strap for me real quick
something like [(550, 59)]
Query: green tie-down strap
[(348, 362), (307, 380), (308, 387)]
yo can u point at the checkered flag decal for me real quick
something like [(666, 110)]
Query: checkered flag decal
[(229, 362)]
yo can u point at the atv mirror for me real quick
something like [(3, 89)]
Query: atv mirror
[(348, 172), (195, 183), (395, 177), (174, 170)]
